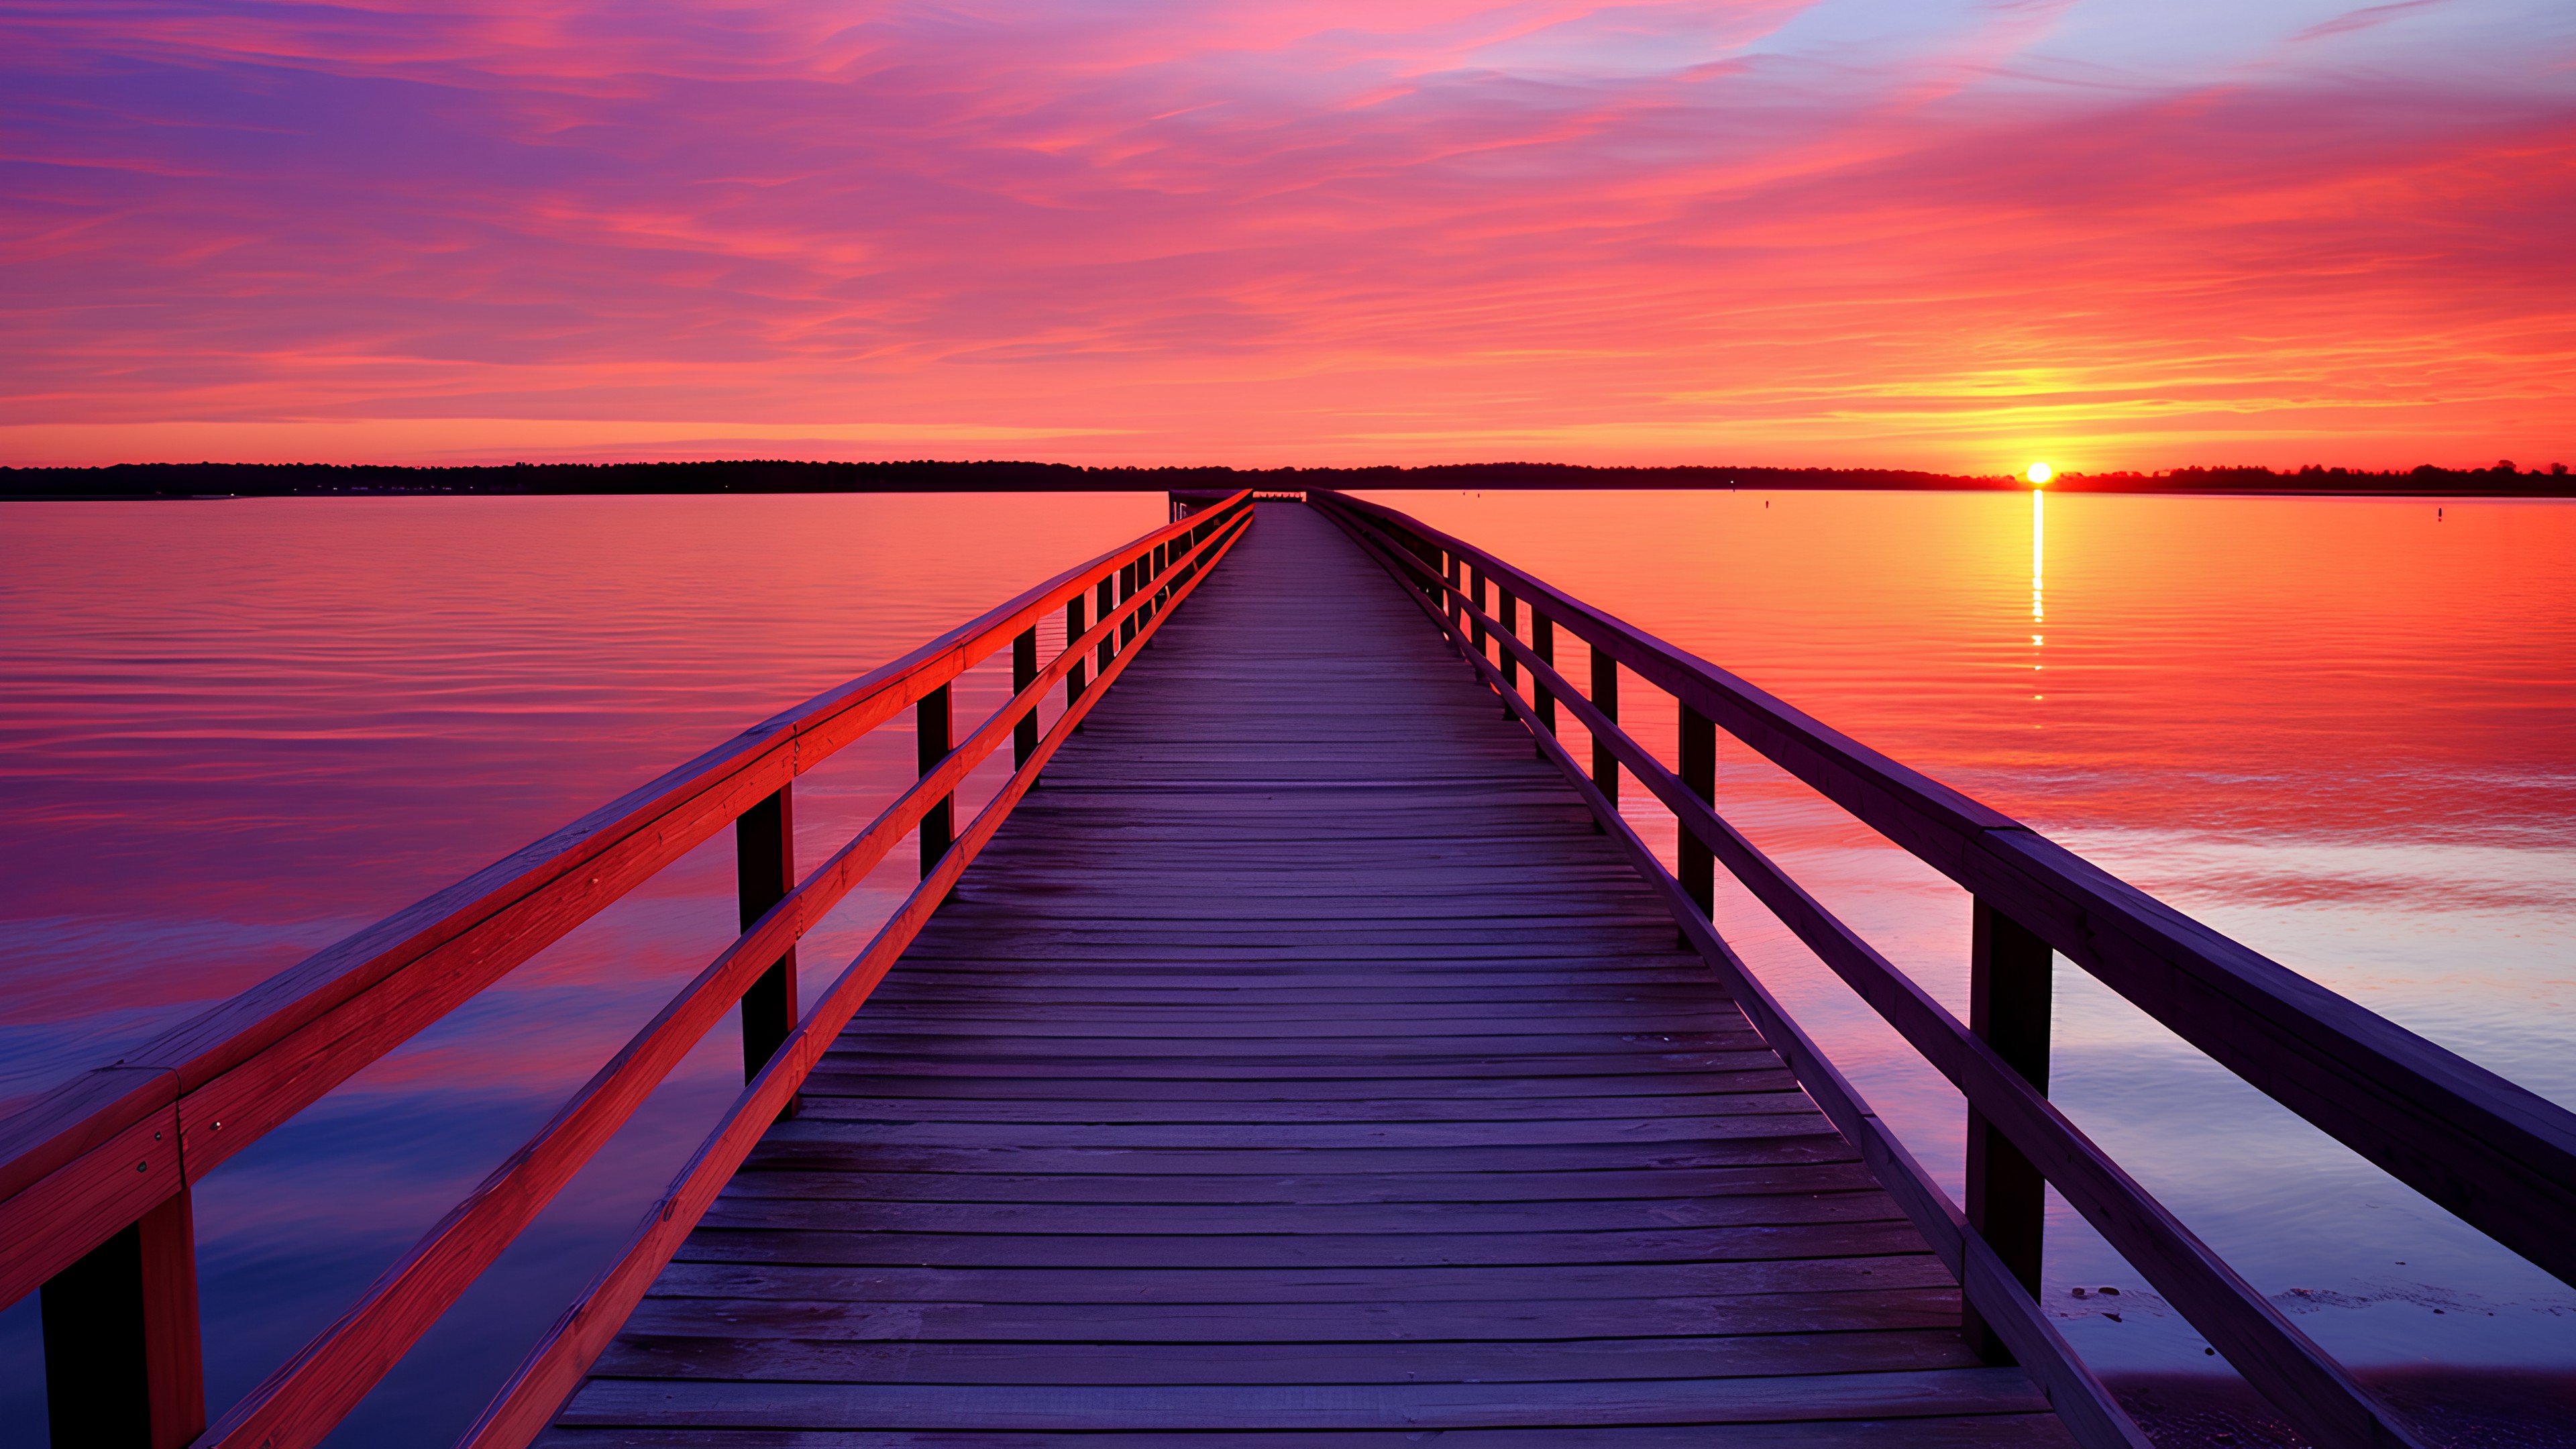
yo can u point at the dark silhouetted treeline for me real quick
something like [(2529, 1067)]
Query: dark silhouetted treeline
[(228, 480)]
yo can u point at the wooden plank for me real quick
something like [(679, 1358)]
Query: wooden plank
[(822, 1210), (1780, 1142), (1419, 1407), (1474, 1320), (1826, 1172), (1768, 1117), (846, 1361), (1302, 1066), (1190, 1107), (1984, 1431), (1217, 1247), (1741, 1071), (1520, 1284)]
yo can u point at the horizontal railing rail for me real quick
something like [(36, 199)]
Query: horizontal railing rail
[(97, 1172), (2017, 1136)]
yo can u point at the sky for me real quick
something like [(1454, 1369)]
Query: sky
[(1918, 233)]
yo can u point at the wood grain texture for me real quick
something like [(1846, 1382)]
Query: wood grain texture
[(1300, 1059)]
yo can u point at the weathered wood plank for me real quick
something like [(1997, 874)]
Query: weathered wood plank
[(1985, 1431), (1184, 1106), (1582, 1216), (1829, 1172), (1299, 1406), (847, 1361), (1415, 1286), (1479, 1320), (1741, 1071), (1216, 1248)]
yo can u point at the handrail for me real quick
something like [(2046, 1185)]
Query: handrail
[(2316, 1393), (180, 1105)]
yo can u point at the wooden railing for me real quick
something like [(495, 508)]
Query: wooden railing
[(2498, 1156), (94, 1177)]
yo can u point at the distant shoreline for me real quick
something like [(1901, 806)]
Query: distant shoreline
[(288, 480)]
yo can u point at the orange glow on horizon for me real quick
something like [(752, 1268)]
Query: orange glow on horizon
[(1838, 233)]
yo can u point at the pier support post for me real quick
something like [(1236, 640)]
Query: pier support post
[(1073, 627), (1543, 644), (1104, 602), (1698, 752), (2010, 996), (1024, 672), (1605, 698), (933, 723), (1449, 601), (764, 863), (123, 1365)]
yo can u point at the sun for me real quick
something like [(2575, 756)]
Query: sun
[(2040, 473)]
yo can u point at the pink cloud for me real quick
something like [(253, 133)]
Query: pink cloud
[(1651, 232)]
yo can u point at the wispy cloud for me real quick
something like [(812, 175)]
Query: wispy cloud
[(1292, 231)]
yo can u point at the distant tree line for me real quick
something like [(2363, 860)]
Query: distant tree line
[(222, 480)]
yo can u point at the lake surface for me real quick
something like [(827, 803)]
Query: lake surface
[(2342, 731)]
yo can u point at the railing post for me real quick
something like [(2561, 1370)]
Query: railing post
[(1024, 672), (1698, 752), (123, 1366), (2010, 993), (1476, 594), (1543, 644), (1126, 591), (1104, 602), (764, 860), (933, 723), (1154, 581), (1511, 626), (1605, 698), (1449, 601), (1073, 627)]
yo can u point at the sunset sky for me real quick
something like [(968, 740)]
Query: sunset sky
[(2110, 233)]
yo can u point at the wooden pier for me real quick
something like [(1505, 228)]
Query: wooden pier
[(1300, 1047), (1299, 1057)]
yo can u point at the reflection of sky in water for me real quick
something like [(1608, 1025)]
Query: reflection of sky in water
[(2321, 726), (2341, 737)]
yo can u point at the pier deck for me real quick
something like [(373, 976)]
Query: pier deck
[(1300, 1058)]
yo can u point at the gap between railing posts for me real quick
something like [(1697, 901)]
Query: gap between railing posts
[(93, 1177), (2314, 1392)]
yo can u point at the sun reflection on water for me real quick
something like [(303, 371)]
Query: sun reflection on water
[(2038, 576)]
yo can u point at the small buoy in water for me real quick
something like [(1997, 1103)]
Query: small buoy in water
[(2437, 515)]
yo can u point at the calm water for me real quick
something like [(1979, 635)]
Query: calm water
[(2343, 731)]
